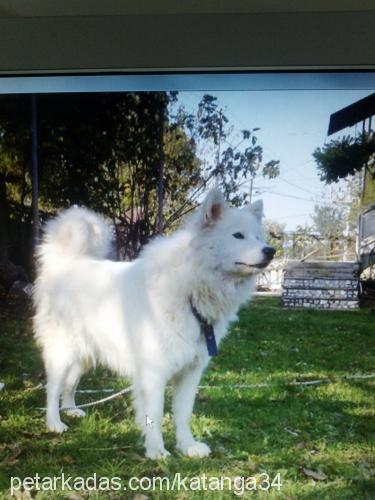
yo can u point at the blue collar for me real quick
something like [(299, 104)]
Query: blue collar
[(206, 329)]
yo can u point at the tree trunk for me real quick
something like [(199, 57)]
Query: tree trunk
[(34, 170), (4, 219), (160, 222)]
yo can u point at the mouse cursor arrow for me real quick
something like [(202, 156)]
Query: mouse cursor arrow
[(149, 422)]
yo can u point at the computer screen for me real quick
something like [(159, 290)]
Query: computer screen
[(179, 241)]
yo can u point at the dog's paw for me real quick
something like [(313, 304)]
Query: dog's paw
[(58, 427), (198, 450), (74, 412), (155, 454)]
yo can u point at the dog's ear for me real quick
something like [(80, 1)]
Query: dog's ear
[(257, 208), (212, 208)]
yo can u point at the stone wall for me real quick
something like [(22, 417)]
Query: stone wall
[(321, 285)]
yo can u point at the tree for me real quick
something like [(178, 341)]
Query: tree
[(100, 150), (304, 244), (241, 165), (329, 222), (107, 151), (228, 167), (15, 186)]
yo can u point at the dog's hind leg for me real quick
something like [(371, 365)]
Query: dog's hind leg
[(185, 386), (56, 372), (69, 388), (149, 405)]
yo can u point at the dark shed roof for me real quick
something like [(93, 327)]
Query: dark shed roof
[(356, 112)]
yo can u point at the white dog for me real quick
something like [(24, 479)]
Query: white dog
[(155, 319)]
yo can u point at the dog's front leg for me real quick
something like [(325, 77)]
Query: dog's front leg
[(149, 406), (183, 402)]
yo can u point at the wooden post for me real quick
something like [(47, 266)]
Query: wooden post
[(160, 187), (4, 218), (34, 170), (251, 190), (364, 170)]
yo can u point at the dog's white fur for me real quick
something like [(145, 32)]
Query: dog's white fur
[(135, 318)]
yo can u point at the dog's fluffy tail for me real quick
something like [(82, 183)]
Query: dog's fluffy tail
[(76, 232)]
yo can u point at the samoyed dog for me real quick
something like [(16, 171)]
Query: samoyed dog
[(155, 320)]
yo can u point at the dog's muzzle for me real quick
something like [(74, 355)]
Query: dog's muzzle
[(268, 255)]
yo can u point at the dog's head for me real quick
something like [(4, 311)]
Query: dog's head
[(230, 239)]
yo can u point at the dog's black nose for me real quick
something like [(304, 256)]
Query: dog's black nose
[(269, 252)]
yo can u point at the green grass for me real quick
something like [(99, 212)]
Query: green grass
[(327, 428)]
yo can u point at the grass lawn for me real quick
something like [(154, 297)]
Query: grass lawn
[(324, 431)]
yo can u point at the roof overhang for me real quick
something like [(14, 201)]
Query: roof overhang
[(355, 113)]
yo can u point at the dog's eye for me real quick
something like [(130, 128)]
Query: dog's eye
[(239, 236)]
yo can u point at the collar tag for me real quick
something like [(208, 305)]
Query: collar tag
[(207, 330), (209, 335)]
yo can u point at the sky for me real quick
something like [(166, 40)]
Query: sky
[(292, 125)]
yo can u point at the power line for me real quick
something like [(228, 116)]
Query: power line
[(241, 125), (266, 147), (298, 187), (290, 196), (293, 215)]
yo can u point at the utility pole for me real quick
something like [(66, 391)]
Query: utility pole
[(251, 189), (160, 186), (34, 169), (365, 174), (218, 152)]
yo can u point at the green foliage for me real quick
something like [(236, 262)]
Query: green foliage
[(211, 120), (102, 151), (280, 428), (342, 157), (15, 147)]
